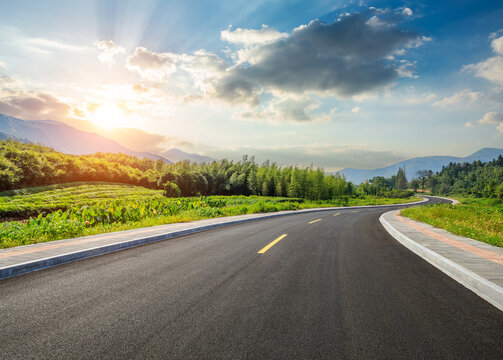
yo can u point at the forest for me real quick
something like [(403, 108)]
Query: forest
[(476, 179), (27, 165)]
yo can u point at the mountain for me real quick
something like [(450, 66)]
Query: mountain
[(64, 138), (175, 155), (433, 163), (4, 136)]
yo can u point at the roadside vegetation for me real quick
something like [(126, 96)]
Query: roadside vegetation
[(47, 195), (479, 188), (92, 208), (31, 202), (477, 179), (479, 219)]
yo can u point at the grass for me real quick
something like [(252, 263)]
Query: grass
[(80, 209), (23, 203), (479, 219)]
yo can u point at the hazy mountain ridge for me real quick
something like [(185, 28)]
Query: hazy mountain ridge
[(63, 137), (175, 155), (4, 136), (433, 163)]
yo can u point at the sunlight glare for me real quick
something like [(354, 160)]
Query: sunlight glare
[(108, 116)]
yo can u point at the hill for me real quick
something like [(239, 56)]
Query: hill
[(434, 163), (64, 138), (175, 155)]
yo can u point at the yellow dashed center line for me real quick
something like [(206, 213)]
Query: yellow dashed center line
[(312, 222), (271, 244), (355, 211), (337, 214)]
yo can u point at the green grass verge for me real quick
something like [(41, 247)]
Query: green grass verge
[(93, 208), (479, 219)]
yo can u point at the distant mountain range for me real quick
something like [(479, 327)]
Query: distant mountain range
[(179, 155), (67, 139), (4, 136), (64, 138), (433, 163)]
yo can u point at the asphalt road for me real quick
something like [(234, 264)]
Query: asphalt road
[(338, 288)]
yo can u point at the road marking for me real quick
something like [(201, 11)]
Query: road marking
[(337, 214), (355, 210), (271, 244), (312, 222)]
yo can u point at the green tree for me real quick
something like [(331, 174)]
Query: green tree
[(423, 176), (401, 180), (414, 184), (171, 190)]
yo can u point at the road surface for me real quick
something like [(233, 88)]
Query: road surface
[(336, 288)]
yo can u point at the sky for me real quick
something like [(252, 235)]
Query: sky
[(331, 83)]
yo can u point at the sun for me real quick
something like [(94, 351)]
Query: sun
[(108, 116)]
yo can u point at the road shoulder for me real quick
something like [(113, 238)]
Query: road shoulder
[(476, 265)]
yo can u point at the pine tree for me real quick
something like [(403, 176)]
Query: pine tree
[(401, 180)]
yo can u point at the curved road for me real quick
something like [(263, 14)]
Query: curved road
[(337, 288)]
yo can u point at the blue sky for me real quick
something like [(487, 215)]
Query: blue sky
[(333, 83)]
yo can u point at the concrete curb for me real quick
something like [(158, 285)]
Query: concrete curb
[(39, 264), (487, 290)]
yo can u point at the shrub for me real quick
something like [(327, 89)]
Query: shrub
[(171, 190)]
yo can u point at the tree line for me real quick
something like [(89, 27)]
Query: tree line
[(27, 165), (395, 186), (478, 179)]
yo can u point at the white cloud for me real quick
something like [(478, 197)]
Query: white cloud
[(492, 68), (407, 11), (151, 65), (469, 124), (350, 57), (204, 68), (249, 37), (421, 99), (13, 40), (109, 50), (46, 46), (356, 109), (493, 118), (464, 97), (497, 45), (289, 108), (406, 69)]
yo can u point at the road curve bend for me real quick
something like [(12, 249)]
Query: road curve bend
[(335, 286)]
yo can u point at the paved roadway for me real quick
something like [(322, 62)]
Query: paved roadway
[(338, 288)]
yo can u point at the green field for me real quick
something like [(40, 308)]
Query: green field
[(23, 203), (77, 209), (479, 219)]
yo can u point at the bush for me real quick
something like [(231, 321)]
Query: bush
[(171, 190)]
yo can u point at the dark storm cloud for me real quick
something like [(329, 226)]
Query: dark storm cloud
[(347, 57)]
